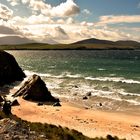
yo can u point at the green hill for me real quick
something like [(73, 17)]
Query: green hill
[(88, 44)]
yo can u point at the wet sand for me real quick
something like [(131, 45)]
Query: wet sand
[(90, 122)]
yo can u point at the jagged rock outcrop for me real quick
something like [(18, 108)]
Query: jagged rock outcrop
[(35, 89), (9, 69)]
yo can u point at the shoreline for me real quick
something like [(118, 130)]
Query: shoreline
[(92, 123)]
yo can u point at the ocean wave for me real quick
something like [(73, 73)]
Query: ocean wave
[(83, 88), (69, 75), (113, 79), (101, 69), (115, 96), (30, 73), (63, 75)]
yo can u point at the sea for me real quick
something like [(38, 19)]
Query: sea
[(109, 74)]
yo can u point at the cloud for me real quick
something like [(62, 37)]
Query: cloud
[(5, 12), (111, 19), (59, 33), (86, 11), (67, 8), (25, 1), (38, 5), (85, 23), (14, 2), (65, 29), (40, 19), (64, 9), (62, 32)]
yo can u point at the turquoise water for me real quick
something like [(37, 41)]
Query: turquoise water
[(115, 74)]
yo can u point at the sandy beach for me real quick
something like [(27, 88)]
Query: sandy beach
[(91, 123)]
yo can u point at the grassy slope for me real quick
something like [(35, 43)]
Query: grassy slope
[(38, 46)]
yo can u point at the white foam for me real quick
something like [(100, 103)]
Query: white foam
[(101, 69), (83, 88), (121, 91), (63, 75), (30, 73), (73, 76), (113, 79), (69, 75)]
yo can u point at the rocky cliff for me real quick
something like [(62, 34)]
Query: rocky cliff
[(9, 69)]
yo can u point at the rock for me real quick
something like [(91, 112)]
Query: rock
[(14, 103), (76, 86), (105, 88), (57, 104), (35, 89), (6, 107), (85, 98), (1, 99), (100, 104), (39, 104), (26, 97), (88, 94), (9, 69)]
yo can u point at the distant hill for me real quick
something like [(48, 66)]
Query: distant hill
[(12, 40), (128, 42), (98, 41), (88, 44), (94, 43)]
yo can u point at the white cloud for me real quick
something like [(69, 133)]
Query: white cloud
[(64, 9), (5, 12), (86, 11), (67, 8), (64, 32), (48, 29), (111, 19), (85, 23), (70, 21), (25, 1), (14, 2), (40, 19), (38, 5)]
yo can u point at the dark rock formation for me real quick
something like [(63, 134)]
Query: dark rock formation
[(9, 69), (1, 99), (6, 107), (40, 104), (100, 104), (57, 104), (14, 103), (85, 98), (88, 94), (35, 89)]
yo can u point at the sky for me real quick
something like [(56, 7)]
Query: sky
[(67, 21)]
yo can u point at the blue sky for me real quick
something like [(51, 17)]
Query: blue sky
[(67, 21)]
